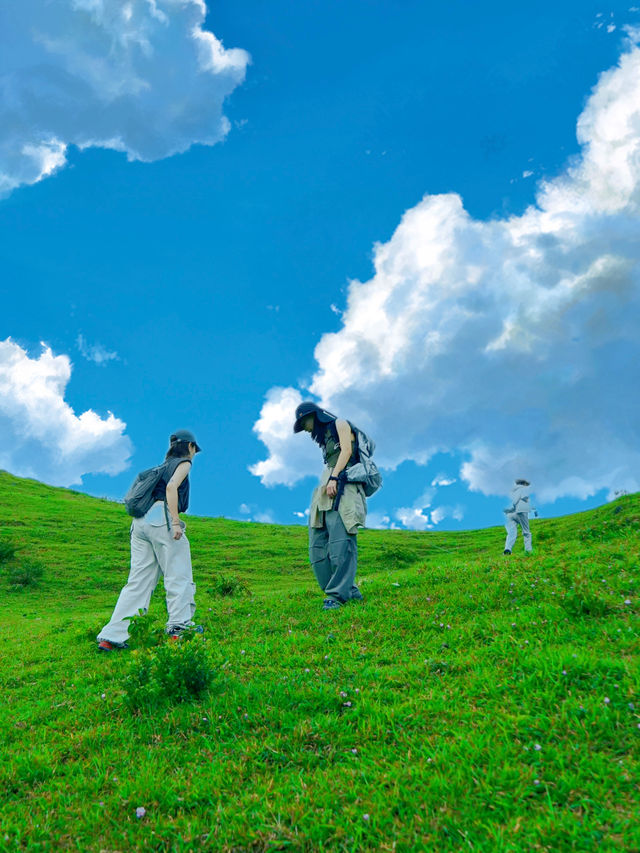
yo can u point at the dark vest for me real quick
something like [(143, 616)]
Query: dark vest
[(160, 491)]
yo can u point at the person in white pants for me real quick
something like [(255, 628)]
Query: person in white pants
[(517, 515), (159, 546)]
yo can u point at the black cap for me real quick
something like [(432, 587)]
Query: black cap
[(185, 435), (310, 408)]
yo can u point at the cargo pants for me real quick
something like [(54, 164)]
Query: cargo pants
[(333, 554), (154, 552), (513, 519)]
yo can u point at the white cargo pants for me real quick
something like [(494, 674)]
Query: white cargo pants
[(154, 552), (512, 521)]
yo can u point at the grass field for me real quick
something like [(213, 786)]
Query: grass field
[(473, 702)]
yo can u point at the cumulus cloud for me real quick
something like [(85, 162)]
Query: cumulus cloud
[(512, 341), (95, 352), (292, 457), (40, 434), (142, 77)]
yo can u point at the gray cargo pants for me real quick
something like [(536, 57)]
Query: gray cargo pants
[(333, 554), (511, 523)]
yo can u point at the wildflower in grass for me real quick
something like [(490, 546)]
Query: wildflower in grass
[(631, 705), (140, 812), (343, 694), (354, 751), (606, 700), (242, 652), (537, 747), (564, 671), (346, 704), (536, 781), (103, 695), (628, 601), (365, 817)]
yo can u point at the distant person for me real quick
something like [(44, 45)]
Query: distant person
[(517, 515), (338, 506), (159, 546)]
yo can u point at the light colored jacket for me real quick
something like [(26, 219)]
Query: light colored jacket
[(352, 509), (520, 500)]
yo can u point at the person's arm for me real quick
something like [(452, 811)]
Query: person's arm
[(178, 477), (344, 438)]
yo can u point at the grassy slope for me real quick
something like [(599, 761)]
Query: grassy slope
[(411, 722)]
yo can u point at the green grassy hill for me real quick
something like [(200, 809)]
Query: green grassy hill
[(473, 702)]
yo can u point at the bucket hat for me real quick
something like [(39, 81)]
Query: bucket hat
[(309, 408)]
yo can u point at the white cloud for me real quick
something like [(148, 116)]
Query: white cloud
[(264, 517), (292, 457), (527, 173), (513, 341), (95, 352), (40, 435), (442, 512), (443, 480), (414, 519), (244, 509), (141, 77), (378, 521)]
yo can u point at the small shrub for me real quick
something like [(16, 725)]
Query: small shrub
[(584, 602), (143, 633), (226, 586), (7, 552), (176, 672), (27, 573)]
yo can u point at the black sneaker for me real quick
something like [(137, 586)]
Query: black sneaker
[(506, 551), (357, 595), (176, 631), (331, 604)]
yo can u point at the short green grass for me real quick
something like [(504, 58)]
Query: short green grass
[(473, 702)]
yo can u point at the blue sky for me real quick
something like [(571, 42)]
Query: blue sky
[(183, 289)]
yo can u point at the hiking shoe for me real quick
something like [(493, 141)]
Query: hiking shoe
[(108, 646), (506, 551), (331, 604), (175, 631)]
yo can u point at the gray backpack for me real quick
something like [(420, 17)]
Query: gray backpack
[(139, 499), (364, 471)]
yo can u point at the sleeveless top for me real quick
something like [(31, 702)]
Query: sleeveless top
[(331, 450), (160, 491)]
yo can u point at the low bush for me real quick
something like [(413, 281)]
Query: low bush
[(26, 573), (7, 552), (175, 672), (227, 586)]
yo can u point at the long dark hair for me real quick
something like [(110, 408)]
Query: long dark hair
[(177, 448), (319, 431)]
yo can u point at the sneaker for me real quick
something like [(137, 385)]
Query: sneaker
[(357, 595), (331, 604), (506, 551), (108, 646), (175, 631)]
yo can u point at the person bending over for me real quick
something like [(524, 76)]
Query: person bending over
[(159, 546), (338, 508)]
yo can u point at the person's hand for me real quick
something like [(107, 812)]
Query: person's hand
[(332, 489), (176, 530)]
